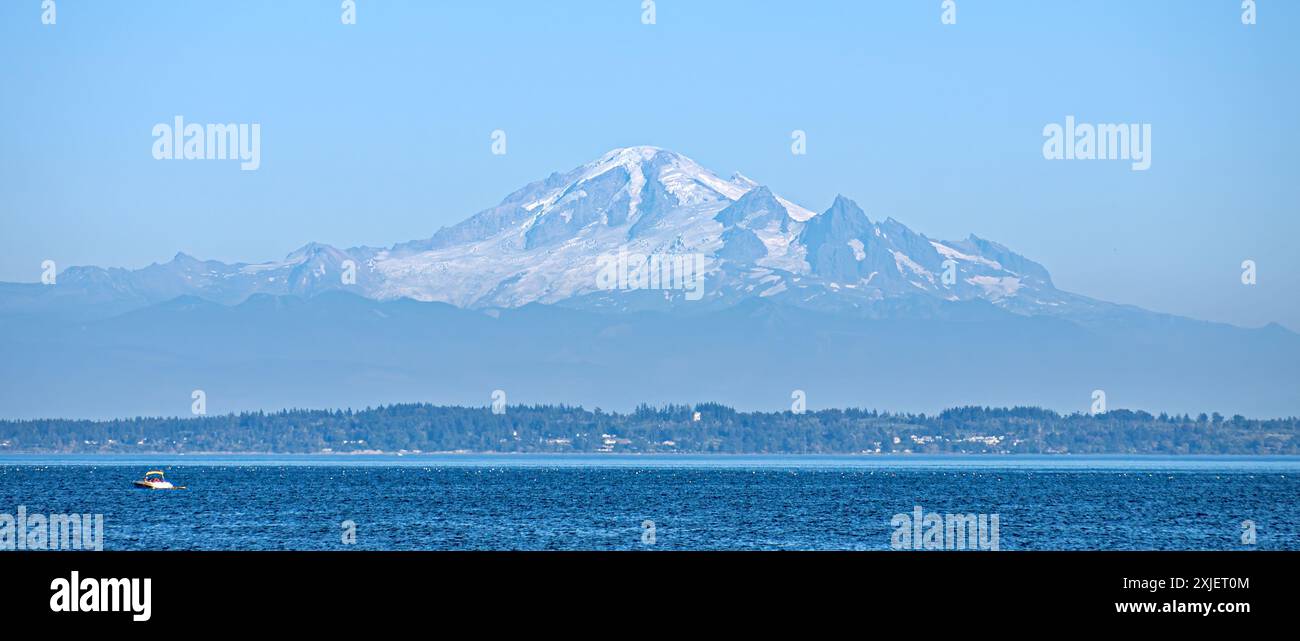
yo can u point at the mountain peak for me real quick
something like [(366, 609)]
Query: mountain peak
[(846, 207), (310, 249), (757, 208), (635, 149), (759, 192), (842, 202), (635, 154), (742, 179)]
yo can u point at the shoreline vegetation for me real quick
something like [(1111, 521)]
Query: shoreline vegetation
[(700, 429)]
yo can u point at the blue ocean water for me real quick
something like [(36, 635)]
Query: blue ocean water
[(543, 502)]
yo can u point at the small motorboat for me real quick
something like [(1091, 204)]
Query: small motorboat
[(153, 479)]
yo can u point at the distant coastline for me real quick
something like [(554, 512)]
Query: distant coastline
[(420, 429)]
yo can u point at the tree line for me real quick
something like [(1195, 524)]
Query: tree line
[(705, 428)]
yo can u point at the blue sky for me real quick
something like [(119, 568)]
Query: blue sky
[(379, 132)]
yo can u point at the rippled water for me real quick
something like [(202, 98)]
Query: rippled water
[(714, 503)]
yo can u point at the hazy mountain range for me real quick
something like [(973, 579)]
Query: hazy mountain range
[(849, 310), (542, 244)]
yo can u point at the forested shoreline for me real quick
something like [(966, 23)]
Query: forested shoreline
[(706, 428)]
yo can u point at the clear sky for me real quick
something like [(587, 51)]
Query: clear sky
[(379, 132)]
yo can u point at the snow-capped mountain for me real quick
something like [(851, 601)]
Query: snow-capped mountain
[(544, 243), (854, 311)]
